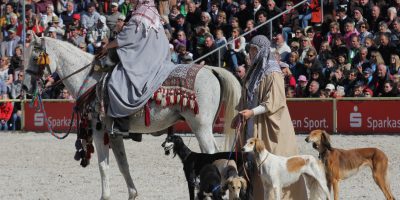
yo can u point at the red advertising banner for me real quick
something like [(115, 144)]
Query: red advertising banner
[(182, 127), (310, 115), (58, 113), (353, 117), (368, 117)]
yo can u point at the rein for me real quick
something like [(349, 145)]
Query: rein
[(69, 76), (40, 106), (43, 62), (238, 129)]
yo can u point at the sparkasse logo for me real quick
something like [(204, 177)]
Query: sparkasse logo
[(38, 119), (355, 118)]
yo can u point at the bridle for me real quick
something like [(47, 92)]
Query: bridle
[(42, 67)]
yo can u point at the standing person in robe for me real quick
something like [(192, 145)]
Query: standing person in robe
[(145, 62), (263, 105)]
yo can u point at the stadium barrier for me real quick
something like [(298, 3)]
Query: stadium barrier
[(345, 116)]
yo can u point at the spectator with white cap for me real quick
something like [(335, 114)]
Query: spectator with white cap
[(100, 34), (330, 88), (57, 27), (112, 18), (52, 33), (47, 18), (10, 43), (119, 25)]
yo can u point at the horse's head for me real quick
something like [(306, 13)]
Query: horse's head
[(31, 66), (32, 53)]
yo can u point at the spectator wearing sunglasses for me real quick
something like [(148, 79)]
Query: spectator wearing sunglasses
[(364, 33)]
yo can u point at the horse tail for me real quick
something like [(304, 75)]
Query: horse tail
[(231, 92)]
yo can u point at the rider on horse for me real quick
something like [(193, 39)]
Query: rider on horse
[(143, 49)]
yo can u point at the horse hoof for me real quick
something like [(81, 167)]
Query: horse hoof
[(133, 197)]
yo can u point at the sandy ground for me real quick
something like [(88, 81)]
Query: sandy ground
[(38, 166)]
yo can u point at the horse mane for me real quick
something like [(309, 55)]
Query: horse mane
[(67, 48), (66, 58)]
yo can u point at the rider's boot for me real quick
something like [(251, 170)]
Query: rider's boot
[(121, 126)]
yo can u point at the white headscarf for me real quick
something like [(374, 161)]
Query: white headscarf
[(147, 14), (263, 63)]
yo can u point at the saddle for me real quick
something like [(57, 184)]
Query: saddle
[(177, 89)]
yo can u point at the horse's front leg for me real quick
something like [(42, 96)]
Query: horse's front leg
[(102, 148), (118, 148)]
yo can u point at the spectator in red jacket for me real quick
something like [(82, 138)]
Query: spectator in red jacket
[(315, 11), (6, 109)]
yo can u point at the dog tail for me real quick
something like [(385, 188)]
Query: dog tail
[(316, 180)]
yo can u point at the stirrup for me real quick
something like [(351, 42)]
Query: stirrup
[(114, 131)]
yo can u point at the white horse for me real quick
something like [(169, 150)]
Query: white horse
[(213, 85)]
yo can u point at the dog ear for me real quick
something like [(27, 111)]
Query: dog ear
[(225, 186), (244, 183), (259, 145), (325, 140)]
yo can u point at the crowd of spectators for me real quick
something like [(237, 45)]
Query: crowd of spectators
[(350, 50)]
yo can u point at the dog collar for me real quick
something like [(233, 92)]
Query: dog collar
[(259, 165), (215, 188)]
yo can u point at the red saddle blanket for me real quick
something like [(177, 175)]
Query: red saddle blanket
[(178, 88)]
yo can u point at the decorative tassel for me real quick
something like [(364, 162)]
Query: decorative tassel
[(196, 107), (172, 99), (168, 100), (147, 114), (159, 96), (77, 156), (106, 138), (36, 104), (90, 148), (179, 99), (184, 102), (164, 101), (191, 104), (88, 155)]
